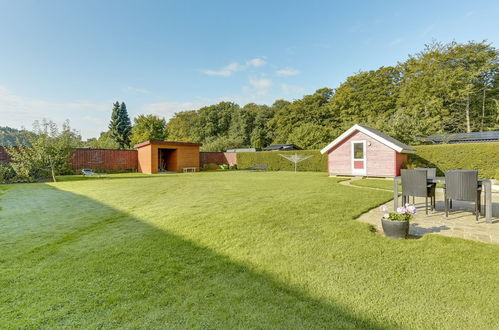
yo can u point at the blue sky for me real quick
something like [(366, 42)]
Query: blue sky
[(73, 59)]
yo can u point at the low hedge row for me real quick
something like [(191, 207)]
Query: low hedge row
[(275, 162), (483, 157)]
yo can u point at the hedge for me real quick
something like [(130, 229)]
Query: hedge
[(483, 157), (275, 162)]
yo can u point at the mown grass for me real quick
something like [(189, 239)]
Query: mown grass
[(228, 250), (375, 183)]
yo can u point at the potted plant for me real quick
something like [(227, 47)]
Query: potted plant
[(396, 224)]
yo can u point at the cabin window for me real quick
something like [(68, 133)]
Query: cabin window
[(358, 150)]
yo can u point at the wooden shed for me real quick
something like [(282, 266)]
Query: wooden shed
[(167, 156), (366, 151)]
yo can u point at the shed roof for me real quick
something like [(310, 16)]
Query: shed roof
[(244, 150), (375, 134), (491, 136), (281, 147), (170, 143)]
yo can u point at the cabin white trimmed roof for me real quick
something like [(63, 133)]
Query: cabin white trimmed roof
[(375, 134)]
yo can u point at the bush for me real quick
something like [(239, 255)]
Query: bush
[(275, 162), (483, 157), (7, 173), (210, 167)]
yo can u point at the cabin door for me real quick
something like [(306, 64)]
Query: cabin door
[(359, 164)]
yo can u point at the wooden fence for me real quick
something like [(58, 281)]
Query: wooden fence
[(104, 159), (229, 158), (110, 159), (4, 156)]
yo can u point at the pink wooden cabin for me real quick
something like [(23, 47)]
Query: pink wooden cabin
[(365, 151)]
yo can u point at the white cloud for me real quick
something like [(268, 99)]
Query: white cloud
[(259, 87), (292, 90), (17, 111), (261, 84), (226, 71), (286, 72), (256, 62), (135, 90), (233, 67)]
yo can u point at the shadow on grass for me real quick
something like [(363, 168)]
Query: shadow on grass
[(118, 270)]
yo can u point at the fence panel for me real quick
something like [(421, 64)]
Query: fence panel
[(228, 158), (104, 159)]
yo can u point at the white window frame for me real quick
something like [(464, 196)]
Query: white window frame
[(364, 159)]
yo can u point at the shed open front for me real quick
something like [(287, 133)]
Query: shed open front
[(167, 160)]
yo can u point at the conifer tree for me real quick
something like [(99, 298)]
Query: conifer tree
[(114, 125), (126, 125), (120, 126)]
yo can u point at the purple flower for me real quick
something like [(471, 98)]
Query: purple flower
[(401, 210), (411, 209), (386, 216), (383, 208)]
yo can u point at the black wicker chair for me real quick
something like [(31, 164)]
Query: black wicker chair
[(462, 185), (414, 183), (431, 174)]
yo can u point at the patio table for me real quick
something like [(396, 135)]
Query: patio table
[(485, 183)]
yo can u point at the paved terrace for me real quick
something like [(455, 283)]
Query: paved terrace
[(460, 223)]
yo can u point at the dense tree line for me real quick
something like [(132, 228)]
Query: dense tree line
[(12, 136), (446, 88)]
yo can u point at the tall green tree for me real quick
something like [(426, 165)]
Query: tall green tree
[(184, 127), (215, 120), (315, 109), (261, 134), (148, 127), (310, 136), (241, 125), (367, 98), (120, 126), (449, 86)]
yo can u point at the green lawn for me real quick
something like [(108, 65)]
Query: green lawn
[(228, 250), (376, 183)]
